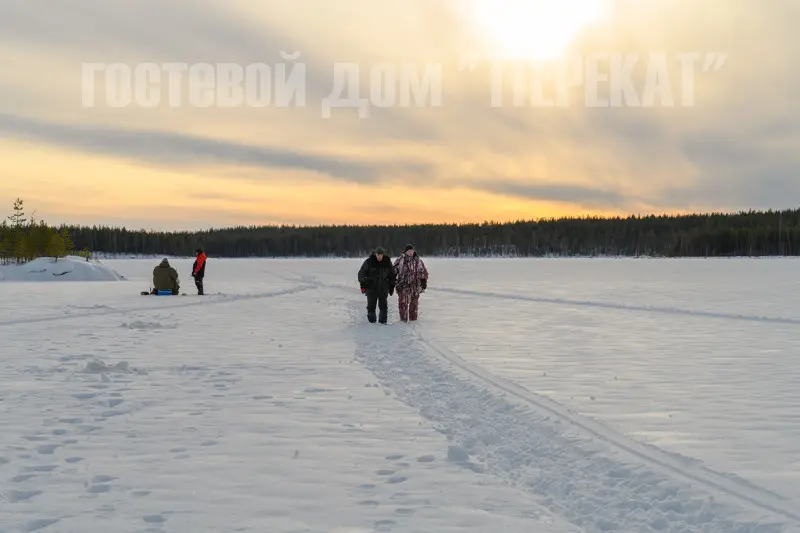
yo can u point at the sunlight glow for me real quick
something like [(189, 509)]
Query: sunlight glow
[(534, 29)]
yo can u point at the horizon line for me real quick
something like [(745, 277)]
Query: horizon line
[(563, 218)]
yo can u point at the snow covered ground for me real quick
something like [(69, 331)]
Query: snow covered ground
[(553, 396), (70, 268)]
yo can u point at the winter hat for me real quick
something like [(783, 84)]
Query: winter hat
[(408, 247), (380, 251), (198, 251)]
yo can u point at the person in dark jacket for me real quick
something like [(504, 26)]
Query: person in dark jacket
[(377, 279), (165, 278), (199, 270)]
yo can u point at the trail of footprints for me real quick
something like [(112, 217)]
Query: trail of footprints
[(391, 477), (26, 469), (45, 453)]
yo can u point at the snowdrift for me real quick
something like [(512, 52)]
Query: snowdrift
[(70, 268)]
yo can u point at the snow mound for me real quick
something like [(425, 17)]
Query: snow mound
[(70, 268)]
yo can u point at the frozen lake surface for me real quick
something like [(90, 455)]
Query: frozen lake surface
[(543, 395)]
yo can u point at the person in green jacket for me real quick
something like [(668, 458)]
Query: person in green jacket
[(165, 278)]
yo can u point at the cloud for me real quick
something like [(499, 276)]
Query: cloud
[(583, 196), (740, 173), (735, 148), (176, 149)]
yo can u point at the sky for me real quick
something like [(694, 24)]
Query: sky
[(720, 134)]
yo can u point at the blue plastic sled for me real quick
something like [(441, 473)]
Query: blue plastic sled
[(159, 293)]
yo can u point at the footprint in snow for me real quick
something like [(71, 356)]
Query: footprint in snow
[(14, 496), (47, 449), (384, 525), (41, 468), (39, 523)]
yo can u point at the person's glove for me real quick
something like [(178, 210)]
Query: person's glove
[(424, 284), (363, 290), (391, 291)]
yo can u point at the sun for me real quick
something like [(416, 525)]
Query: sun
[(533, 29)]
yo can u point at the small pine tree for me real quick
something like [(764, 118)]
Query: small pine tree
[(69, 246), (57, 247), (18, 218), (85, 253), (39, 236), (22, 251), (6, 243)]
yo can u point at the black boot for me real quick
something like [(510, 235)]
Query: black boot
[(383, 308)]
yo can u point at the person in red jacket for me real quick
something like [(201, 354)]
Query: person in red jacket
[(199, 270)]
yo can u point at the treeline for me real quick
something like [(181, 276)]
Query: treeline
[(24, 238), (752, 233), (744, 234)]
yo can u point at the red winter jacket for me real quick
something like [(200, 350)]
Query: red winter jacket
[(199, 267)]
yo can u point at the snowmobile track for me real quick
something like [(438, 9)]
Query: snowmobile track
[(204, 300), (626, 307), (674, 466)]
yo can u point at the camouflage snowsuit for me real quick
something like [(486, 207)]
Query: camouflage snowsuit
[(412, 280)]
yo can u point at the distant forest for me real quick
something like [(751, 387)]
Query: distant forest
[(752, 233)]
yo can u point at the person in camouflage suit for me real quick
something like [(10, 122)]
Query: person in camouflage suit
[(412, 280)]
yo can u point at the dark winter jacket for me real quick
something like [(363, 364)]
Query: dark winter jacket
[(199, 266), (377, 276), (165, 278)]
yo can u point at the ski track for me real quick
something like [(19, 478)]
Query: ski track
[(688, 470), (590, 475), (581, 303), (206, 300), (625, 307)]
